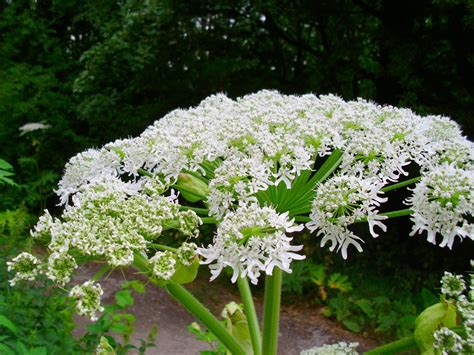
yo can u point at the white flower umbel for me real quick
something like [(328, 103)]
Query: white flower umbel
[(452, 285), (87, 297), (251, 240), (442, 202), (341, 201), (186, 253), (60, 267), (163, 265), (226, 156), (341, 348), (25, 267), (448, 341)]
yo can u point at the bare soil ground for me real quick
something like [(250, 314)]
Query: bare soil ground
[(301, 327)]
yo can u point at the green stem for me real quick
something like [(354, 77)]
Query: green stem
[(401, 184), (302, 219), (204, 211), (404, 344), (162, 247), (249, 309), (391, 214), (193, 306), (196, 308), (399, 213), (394, 347), (271, 312), (209, 220), (144, 172)]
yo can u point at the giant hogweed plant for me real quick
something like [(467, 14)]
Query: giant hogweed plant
[(259, 168)]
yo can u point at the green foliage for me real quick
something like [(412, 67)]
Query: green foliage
[(206, 336), (235, 322), (37, 319), (115, 320), (6, 172), (363, 307)]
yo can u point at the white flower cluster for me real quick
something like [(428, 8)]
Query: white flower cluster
[(341, 201), (250, 240), (107, 222), (341, 348), (25, 267), (442, 203), (87, 297), (163, 265), (446, 340), (317, 160)]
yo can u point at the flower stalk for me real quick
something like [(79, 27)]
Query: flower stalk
[(271, 312), (251, 314)]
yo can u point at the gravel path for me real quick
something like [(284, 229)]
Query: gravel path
[(301, 326)]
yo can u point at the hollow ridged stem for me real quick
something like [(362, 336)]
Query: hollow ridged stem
[(271, 312), (249, 309)]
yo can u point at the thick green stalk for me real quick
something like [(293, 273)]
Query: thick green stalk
[(192, 305), (196, 308), (394, 347), (249, 309), (271, 312)]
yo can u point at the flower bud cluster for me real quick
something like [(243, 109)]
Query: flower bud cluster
[(453, 288), (25, 266), (87, 298)]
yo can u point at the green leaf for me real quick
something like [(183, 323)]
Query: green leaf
[(105, 347), (124, 298), (7, 323), (352, 325), (21, 349), (186, 274), (136, 285), (431, 319), (327, 312), (237, 325), (39, 351), (366, 306), (4, 165), (6, 350), (339, 282)]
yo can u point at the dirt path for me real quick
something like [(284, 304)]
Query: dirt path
[(301, 326)]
